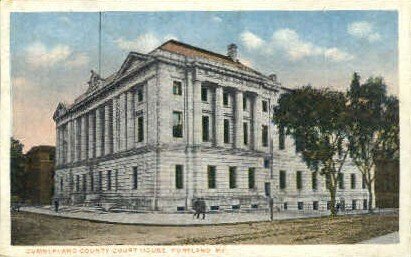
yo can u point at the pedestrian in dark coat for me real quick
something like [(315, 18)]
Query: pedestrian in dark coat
[(203, 208), (196, 207), (56, 205)]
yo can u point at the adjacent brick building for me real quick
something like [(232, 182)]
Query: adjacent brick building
[(180, 123), (39, 170)]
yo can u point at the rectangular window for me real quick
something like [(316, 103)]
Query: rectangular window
[(204, 94), (245, 133), (314, 181), (140, 124), (354, 204), (77, 183), (116, 179), (315, 205), (265, 106), (265, 135), (140, 94), (244, 103), (109, 180), (206, 127), (299, 144), (232, 177), (340, 178), (299, 180), (266, 163), (353, 182), (61, 184), (179, 177), (251, 178), (177, 124), (364, 181), (281, 138), (225, 98), (364, 204), (135, 177), (226, 131), (211, 176), (285, 206), (282, 179), (300, 206), (328, 205), (84, 182), (100, 180), (177, 89), (91, 181)]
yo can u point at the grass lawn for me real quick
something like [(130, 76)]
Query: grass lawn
[(37, 229)]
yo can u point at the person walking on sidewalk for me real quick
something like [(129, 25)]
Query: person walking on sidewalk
[(203, 208), (56, 205), (196, 207)]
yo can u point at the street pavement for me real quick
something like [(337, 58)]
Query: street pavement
[(392, 238)]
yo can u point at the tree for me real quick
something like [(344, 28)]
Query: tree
[(373, 127), (17, 170), (317, 119)]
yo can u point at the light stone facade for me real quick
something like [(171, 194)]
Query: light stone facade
[(167, 127)]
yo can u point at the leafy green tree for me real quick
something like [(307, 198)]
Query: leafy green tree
[(317, 120), (17, 170), (373, 127)]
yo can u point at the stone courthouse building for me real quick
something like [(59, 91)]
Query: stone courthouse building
[(181, 123)]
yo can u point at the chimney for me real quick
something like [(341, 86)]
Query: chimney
[(273, 77), (232, 52)]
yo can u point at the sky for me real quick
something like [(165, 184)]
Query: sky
[(52, 53)]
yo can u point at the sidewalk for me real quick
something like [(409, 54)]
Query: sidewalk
[(392, 238), (172, 219)]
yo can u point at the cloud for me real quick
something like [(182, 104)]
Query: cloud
[(78, 60), (143, 43), (251, 40), (38, 56), (363, 30), (295, 48), (216, 19)]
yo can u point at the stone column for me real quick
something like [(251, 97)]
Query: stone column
[(115, 126), (75, 140), (91, 131), (99, 131), (257, 129), (123, 121), (219, 117), (84, 141), (69, 141), (238, 114), (197, 112), (107, 129), (57, 145), (130, 120)]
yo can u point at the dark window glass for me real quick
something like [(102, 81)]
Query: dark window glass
[(251, 178), (91, 182), (232, 177), (181, 208), (300, 205), (135, 177), (285, 205), (245, 133), (281, 138), (177, 124), (244, 103), (314, 181), (206, 126), (353, 182), (363, 181), (315, 205), (77, 183), (299, 181), (140, 124), (328, 205), (177, 89), (61, 185), (100, 180), (354, 204), (340, 178), (225, 99), (226, 131), (265, 106), (204, 94), (299, 144), (140, 94), (266, 163), (179, 177), (116, 179), (282, 179), (211, 177), (364, 204), (109, 180), (84, 182), (265, 135)]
